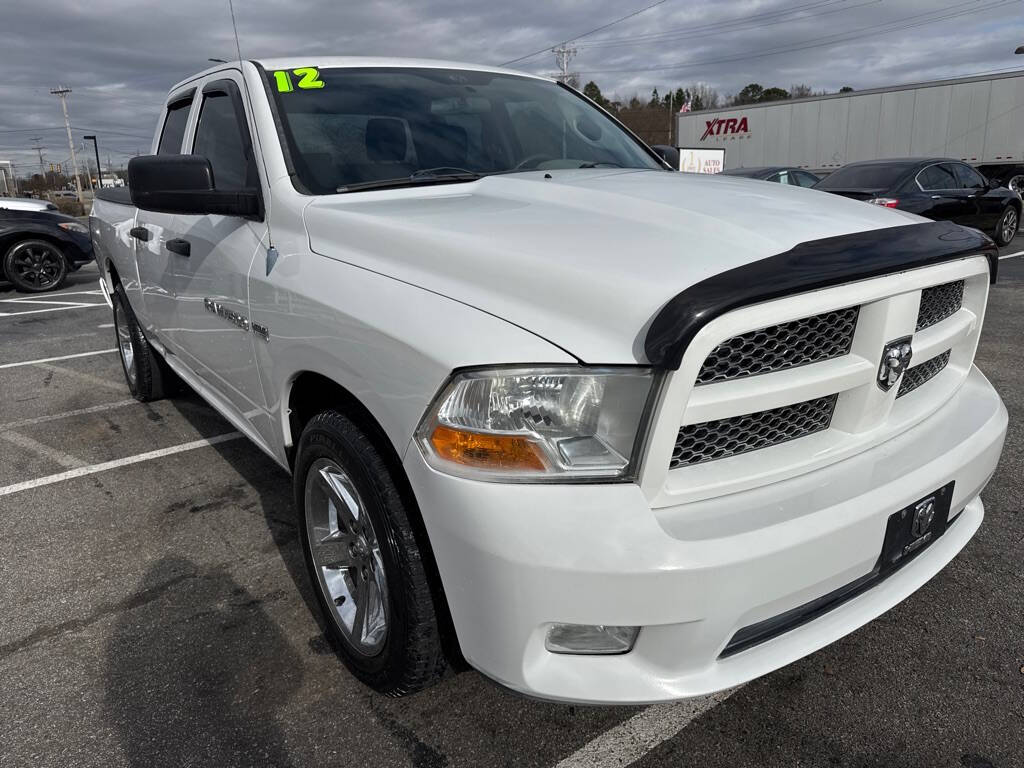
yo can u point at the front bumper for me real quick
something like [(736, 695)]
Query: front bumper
[(515, 558)]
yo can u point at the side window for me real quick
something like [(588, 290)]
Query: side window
[(936, 177), (224, 141), (805, 179), (174, 127), (782, 177), (968, 177)]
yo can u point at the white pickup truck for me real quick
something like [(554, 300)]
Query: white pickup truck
[(607, 432)]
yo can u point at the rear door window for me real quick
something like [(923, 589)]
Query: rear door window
[(937, 177), (174, 127)]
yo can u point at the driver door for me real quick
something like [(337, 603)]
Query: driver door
[(212, 254)]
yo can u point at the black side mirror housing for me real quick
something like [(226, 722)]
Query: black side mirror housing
[(185, 184), (669, 154)]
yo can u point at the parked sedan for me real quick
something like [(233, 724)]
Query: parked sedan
[(782, 174), (938, 188), (39, 248)]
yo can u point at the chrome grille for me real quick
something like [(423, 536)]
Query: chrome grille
[(710, 440), (777, 347), (939, 302), (919, 374)]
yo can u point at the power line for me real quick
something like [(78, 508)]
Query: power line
[(547, 48), (841, 37), (736, 25)]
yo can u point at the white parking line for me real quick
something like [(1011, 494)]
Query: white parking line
[(66, 414), (55, 359), (629, 741), (50, 302), (50, 309), (1012, 255), (94, 468), (94, 292), (66, 460)]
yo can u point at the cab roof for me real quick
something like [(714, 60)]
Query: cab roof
[(330, 62)]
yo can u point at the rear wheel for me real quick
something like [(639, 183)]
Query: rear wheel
[(367, 571), (1006, 229), (35, 266), (1016, 183), (145, 372)]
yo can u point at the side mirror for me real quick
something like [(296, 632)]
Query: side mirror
[(185, 184), (669, 154), (992, 183)]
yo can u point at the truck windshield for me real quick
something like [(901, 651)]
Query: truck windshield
[(368, 127)]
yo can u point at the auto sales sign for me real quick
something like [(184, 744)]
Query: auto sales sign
[(734, 127)]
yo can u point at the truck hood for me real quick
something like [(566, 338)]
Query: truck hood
[(582, 258)]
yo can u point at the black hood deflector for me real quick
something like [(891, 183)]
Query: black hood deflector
[(809, 266)]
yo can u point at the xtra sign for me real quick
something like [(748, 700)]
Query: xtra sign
[(722, 125)]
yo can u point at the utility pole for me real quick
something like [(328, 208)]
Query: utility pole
[(39, 148), (564, 53), (63, 93)]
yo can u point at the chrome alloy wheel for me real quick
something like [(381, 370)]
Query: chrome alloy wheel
[(346, 557), (124, 343), (1017, 184), (1009, 225)]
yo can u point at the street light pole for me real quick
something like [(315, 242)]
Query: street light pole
[(99, 172)]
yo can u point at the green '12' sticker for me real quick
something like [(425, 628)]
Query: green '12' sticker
[(309, 78)]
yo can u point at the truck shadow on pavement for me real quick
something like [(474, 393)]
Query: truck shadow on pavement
[(194, 673), (205, 688)]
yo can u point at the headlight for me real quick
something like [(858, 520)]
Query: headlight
[(538, 424), (73, 226)]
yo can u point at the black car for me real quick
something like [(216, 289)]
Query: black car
[(39, 248), (782, 174), (937, 187)]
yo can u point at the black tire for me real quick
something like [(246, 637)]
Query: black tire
[(1009, 224), (35, 266), (409, 657), (145, 372)]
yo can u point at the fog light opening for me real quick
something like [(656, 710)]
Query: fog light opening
[(590, 639)]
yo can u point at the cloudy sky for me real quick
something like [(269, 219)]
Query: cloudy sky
[(120, 56)]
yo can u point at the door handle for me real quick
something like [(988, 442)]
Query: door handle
[(179, 246), (139, 233), (936, 197)]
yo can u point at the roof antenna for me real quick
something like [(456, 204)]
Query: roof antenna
[(271, 250), (234, 26)]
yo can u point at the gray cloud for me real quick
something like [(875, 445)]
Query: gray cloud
[(120, 57)]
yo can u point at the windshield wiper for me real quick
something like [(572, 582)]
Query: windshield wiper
[(419, 178), (599, 165)]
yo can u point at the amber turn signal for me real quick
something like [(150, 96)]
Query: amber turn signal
[(486, 451)]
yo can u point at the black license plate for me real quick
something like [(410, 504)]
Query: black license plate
[(914, 528)]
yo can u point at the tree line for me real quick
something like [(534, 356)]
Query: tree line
[(701, 96)]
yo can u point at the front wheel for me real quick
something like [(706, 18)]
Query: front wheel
[(367, 570), (1006, 229), (35, 266), (1016, 183)]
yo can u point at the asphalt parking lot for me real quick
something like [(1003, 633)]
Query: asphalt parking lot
[(156, 612)]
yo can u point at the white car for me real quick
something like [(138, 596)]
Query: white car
[(608, 432), (26, 204)]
